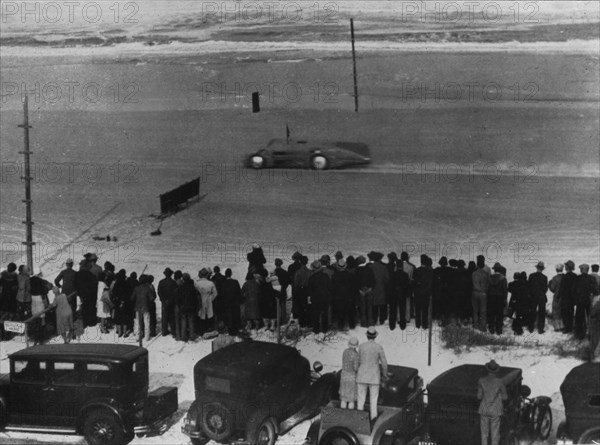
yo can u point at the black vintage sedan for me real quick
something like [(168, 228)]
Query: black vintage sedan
[(452, 416), (316, 155), (251, 392), (99, 391), (581, 395)]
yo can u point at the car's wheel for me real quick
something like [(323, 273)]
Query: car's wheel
[(257, 161), (319, 162), (102, 427), (261, 432), (216, 421), (542, 417), (338, 437), (590, 436)]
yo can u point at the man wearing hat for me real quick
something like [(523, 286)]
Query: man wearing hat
[(381, 288), (344, 287), (538, 287), (166, 291), (423, 283), (300, 308), (554, 287), (66, 281), (585, 289), (319, 292), (492, 393), (497, 294), (372, 365), (207, 293)]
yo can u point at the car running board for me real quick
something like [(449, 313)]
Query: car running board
[(39, 429)]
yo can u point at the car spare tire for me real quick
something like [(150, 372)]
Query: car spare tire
[(216, 421), (338, 436)]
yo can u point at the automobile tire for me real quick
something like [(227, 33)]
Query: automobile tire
[(542, 416), (102, 427), (216, 421), (590, 436), (319, 162), (257, 162), (261, 432), (338, 436)]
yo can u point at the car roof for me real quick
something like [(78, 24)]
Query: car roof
[(579, 383), (462, 380), (248, 357), (92, 351), (299, 144)]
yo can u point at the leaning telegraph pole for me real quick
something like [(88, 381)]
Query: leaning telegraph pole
[(28, 222), (354, 66)]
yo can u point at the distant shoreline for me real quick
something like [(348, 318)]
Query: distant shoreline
[(216, 46)]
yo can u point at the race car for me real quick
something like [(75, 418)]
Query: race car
[(317, 155)]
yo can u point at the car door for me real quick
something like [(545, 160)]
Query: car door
[(65, 394), (28, 379)]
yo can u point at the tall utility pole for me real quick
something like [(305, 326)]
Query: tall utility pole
[(354, 66), (28, 222)]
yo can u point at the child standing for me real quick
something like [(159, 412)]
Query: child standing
[(348, 376)]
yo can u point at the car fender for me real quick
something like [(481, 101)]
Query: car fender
[(108, 404), (312, 436), (323, 389)]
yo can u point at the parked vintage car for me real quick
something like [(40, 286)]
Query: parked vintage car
[(452, 408), (317, 155), (254, 391), (581, 395), (97, 390), (400, 415)]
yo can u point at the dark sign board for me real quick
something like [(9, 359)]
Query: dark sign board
[(170, 201)]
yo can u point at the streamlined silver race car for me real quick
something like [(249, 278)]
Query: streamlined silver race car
[(317, 155)]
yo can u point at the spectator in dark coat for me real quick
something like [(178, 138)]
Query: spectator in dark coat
[(585, 289), (567, 296), (132, 283), (152, 307), (65, 280), (481, 283), (497, 293), (91, 259), (9, 286), (86, 284), (300, 309), (178, 277), (381, 287), (119, 295), (109, 273), (283, 278), (218, 306), (423, 284), (319, 291), (251, 297), (186, 298), (345, 291), (400, 286), (166, 294), (520, 302), (256, 262), (442, 299), (538, 287), (463, 289), (366, 279), (292, 268), (232, 300), (409, 268)]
